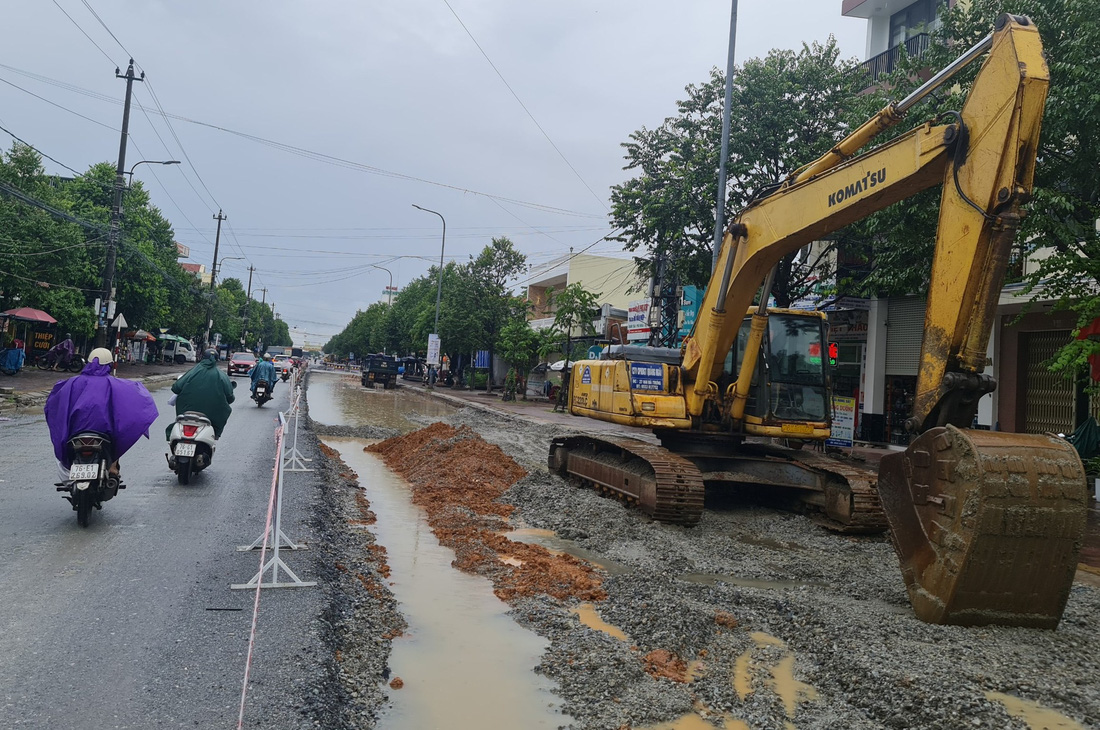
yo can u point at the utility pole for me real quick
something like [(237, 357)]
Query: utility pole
[(214, 275), (114, 231), (247, 307), (263, 300), (723, 156)]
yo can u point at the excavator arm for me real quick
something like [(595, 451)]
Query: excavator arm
[(987, 525), (985, 158)]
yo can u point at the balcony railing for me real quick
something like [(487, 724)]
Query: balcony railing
[(887, 61)]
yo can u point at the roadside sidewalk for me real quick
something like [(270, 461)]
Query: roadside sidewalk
[(31, 386)]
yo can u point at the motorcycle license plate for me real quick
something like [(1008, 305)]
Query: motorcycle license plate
[(185, 449), (83, 472)]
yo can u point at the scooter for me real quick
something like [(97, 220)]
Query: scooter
[(285, 376), (90, 482), (262, 394), (191, 445)]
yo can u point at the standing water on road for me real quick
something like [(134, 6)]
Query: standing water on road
[(337, 399), (463, 662)]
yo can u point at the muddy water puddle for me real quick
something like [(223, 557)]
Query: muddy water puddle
[(560, 546), (337, 399), (464, 663), (1033, 714)]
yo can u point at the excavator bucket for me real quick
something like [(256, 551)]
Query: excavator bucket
[(987, 525)]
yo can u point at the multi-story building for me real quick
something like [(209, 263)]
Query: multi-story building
[(615, 280)]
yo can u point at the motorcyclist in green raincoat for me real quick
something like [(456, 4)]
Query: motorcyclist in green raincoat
[(206, 389)]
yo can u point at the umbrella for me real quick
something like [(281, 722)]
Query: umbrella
[(27, 314)]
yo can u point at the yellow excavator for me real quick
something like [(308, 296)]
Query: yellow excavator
[(987, 525)]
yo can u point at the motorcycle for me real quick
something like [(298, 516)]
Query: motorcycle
[(262, 394), (191, 445), (51, 359), (285, 376), (90, 482)]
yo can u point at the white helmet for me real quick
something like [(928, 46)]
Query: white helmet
[(102, 354)]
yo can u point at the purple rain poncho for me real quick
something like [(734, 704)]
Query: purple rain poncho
[(95, 401)]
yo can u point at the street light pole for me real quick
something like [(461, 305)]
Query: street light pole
[(439, 289), (389, 289), (148, 162)]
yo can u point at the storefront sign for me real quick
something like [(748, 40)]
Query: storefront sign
[(848, 324), (433, 350), (638, 321), (647, 376), (844, 422)]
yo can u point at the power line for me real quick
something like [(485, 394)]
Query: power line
[(36, 96), (85, 34), (28, 144), (524, 106), (313, 155), (96, 16)]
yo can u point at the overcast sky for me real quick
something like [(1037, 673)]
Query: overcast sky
[(398, 89)]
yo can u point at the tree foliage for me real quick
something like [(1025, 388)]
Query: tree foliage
[(788, 109), (56, 264)]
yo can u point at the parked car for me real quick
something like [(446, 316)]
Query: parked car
[(241, 363), (177, 351)]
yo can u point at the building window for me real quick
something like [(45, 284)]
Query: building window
[(923, 16)]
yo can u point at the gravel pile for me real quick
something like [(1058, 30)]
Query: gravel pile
[(780, 623), (837, 607)]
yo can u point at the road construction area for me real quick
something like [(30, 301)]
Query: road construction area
[(755, 618), (459, 584)]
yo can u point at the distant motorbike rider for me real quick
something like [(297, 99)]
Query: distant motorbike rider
[(264, 370), (95, 401), (63, 352), (206, 390)]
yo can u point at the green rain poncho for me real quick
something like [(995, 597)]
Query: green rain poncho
[(206, 389)]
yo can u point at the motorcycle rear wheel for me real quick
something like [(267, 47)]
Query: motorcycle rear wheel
[(76, 364), (83, 507), (43, 362), (183, 472)]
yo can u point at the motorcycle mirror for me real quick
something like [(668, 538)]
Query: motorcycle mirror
[(232, 383)]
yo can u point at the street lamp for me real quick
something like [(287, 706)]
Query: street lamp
[(227, 258), (439, 289), (389, 289), (150, 162)]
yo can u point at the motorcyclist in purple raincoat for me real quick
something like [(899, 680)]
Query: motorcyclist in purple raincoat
[(96, 401), (63, 352)]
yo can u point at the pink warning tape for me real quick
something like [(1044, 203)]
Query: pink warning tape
[(260, 575)]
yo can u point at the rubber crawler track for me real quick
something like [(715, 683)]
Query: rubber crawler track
[(678, 484)]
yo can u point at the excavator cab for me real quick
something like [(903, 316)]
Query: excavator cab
[(789, 391)]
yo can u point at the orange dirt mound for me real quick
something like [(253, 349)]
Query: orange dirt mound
[(663, 663), (457, 477)]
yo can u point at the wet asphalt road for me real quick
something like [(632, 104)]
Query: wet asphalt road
[(111, 626)]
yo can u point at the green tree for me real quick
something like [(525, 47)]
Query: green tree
[(521, 346), (575, 308), (47, 262), (788, 109)]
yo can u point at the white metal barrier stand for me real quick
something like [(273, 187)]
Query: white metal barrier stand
[(265, 539), (276, 530), (292, 458)]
